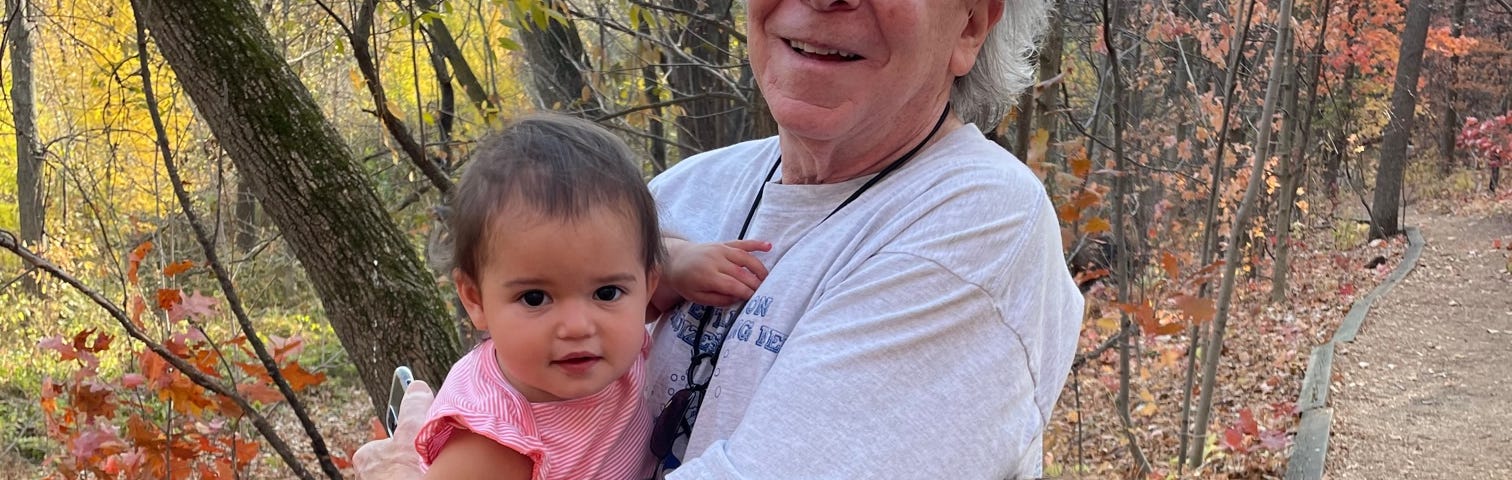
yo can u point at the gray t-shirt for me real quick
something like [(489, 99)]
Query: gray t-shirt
[(923, 331)]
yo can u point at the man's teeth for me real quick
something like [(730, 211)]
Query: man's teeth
[(812, 49)]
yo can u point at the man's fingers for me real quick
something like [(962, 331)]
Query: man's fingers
[(417, 401)]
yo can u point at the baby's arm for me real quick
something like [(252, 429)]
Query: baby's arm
[(715, 274), (467, 455)]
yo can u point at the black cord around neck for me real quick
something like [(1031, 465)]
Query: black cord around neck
[(854, 195)]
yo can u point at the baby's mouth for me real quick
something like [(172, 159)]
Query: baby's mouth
[(577, 359)]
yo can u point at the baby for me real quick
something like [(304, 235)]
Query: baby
[(558, 257)]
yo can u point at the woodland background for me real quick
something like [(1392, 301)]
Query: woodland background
[(221, 211)]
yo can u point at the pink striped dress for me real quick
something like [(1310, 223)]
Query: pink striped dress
[(600, 436)]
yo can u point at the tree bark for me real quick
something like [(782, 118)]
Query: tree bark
[(1451, 125), (1210, 229), (24, 114), (446, 45), (705, 122), (379, 298), (245, 213), (1288, 170), (557, 64), (1047, 108), (1299, 154), (1242, 217), (1346, 116), (1388, 185), (1123, 271)]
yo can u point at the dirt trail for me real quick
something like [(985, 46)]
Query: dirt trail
[(1425, 391)]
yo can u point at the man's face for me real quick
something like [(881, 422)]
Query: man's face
[(852, 69)]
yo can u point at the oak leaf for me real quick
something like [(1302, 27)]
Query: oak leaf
[(260, 393), (194, 306), (299, 378), (177, 268), (134, 260)]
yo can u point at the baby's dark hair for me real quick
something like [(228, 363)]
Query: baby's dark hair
[(559, 166)]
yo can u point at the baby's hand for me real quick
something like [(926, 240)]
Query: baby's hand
[(715, 274)]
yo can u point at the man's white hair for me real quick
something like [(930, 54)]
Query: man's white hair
[(1004, 66)]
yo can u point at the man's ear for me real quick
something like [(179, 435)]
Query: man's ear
[(471, 296), (983, 16)]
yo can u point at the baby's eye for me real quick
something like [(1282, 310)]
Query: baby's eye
[(534, 298), (608, 293)]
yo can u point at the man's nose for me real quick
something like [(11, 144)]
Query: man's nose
[(828, 5)]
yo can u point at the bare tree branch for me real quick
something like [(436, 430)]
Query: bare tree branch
[(362, 29), (664, 103)]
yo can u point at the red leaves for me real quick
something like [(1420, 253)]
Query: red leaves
[(285, 347), (1199, 310), (1489, 140), (177, 268), (299, 378), (134, 260), (376, 430), (199, 439), (168, 298), (259, 392), (1245, 434), (1247, 422), (1233, 440), (194, 306)]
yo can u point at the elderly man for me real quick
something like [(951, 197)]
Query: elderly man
[(917, 319)]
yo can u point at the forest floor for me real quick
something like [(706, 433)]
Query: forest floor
[(1423, 391)]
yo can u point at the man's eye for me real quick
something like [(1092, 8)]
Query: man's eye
[(534, 298), (608, 294)]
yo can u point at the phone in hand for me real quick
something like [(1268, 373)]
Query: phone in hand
[(402, 379)]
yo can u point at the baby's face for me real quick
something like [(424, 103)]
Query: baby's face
[(564, 301)]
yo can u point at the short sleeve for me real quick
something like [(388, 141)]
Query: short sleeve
[(467, 402)]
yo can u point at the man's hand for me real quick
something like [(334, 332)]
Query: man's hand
[(715, 274), (395, 458)]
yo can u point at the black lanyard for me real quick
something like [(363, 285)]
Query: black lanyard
[(869, 183)]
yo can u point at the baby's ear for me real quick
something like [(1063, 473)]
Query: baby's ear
[(471, 296), (653, 278)]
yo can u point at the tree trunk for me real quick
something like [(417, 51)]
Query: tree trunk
[(1451, 125), (1214, 351), (444, 44), (1286, 197), (1299, 158), (1210, 229), (379, 298), (1047, 109), (705, 122), (245, 212), (1388, 185), (557, 65), (650, 81), (24, 114), (1346, 116), (1124, 275)]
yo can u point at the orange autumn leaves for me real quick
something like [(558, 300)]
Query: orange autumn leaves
[(116, 427)]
